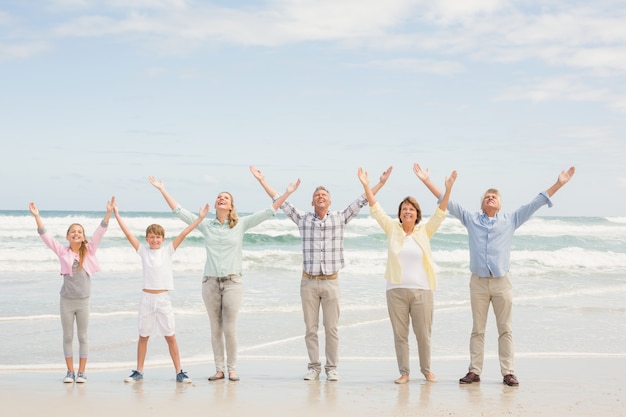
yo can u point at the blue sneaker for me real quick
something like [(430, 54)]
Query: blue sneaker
[(135, 376), (182, 377), (69, 377)]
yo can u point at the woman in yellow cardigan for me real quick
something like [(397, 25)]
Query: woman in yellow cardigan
[(410, 273)]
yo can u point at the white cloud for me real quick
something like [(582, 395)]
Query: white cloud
[(416, 65), (450, 11), (22, 50), (560, 88), (590, 40)]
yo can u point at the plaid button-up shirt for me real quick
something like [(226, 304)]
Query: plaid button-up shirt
[(322, 239)]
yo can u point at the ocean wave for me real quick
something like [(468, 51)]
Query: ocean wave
[(569, 260), (621, 220)]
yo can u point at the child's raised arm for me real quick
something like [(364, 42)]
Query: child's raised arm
[(110, 205), (131, 238), (201, 215), (35, 212)]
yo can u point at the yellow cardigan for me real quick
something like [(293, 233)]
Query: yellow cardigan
[(395, 241)]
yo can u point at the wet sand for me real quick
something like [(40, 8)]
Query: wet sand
[(575, 386)]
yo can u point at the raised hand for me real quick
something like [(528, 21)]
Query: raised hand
[(258, 174), (33, 209), (111, 204), (158, 184), (565, 176), (365, 178), (451, 179), (203, 211), (421, 174), (385, 175), (292, 187)]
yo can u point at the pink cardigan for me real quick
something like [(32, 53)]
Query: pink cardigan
[(66, 256)]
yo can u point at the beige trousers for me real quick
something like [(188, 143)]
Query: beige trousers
[(498, 292), (325, 293), (415, 306)]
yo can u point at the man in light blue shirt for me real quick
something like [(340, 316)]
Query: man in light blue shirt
[(490, 235)]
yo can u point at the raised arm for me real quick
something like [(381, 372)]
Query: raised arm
[(446, 196), (110, 205), (290, 190), (563, 179), (132, 239), (161, 187), (35, 212), (258, 174), (201, 215), (271, 191), (383, 179), (365, 181), (424, 176)]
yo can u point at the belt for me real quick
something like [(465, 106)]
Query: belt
[(331, 276), (221, 279)]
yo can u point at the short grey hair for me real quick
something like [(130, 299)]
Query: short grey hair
[(321, 187)]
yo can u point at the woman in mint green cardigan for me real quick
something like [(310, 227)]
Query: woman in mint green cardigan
[(222, 289)]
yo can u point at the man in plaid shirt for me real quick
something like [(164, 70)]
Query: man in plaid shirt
[(321, 232)]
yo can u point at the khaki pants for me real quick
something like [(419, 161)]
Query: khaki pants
[(416, 306), (498, 292), (325, 293)]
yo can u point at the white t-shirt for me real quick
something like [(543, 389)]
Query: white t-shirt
[(157, 267), (411, 260)]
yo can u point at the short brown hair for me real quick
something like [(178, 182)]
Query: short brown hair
[(156, 229), (412, 201)]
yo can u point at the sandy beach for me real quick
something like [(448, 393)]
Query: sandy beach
[(568, 321), (548, 386)]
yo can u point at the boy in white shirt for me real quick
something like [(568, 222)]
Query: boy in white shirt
[(155, 306)]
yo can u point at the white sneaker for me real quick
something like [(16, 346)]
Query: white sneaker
[(311, 375), (69, 377), (81, 378), (332, 375)]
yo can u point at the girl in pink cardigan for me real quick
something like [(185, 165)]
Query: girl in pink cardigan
[(78, 264)]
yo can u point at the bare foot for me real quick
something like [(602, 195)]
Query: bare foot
[(402, 380)]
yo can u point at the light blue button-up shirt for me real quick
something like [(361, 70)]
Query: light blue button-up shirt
[(490, 238)]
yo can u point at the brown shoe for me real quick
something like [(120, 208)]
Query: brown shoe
[(510, 380), (469, 378)]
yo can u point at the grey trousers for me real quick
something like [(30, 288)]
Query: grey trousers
[(75, 309), (222, 299), (415, 306)]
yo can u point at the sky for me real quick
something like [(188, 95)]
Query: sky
[(96, 96)]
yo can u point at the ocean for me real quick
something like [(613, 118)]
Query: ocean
[(568, 274)]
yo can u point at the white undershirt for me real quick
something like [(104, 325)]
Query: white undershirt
[(411, 260)]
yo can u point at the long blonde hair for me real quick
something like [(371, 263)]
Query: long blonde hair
[(82, 251), (233, 218)]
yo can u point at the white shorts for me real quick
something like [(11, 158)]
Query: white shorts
[(155, 309)]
